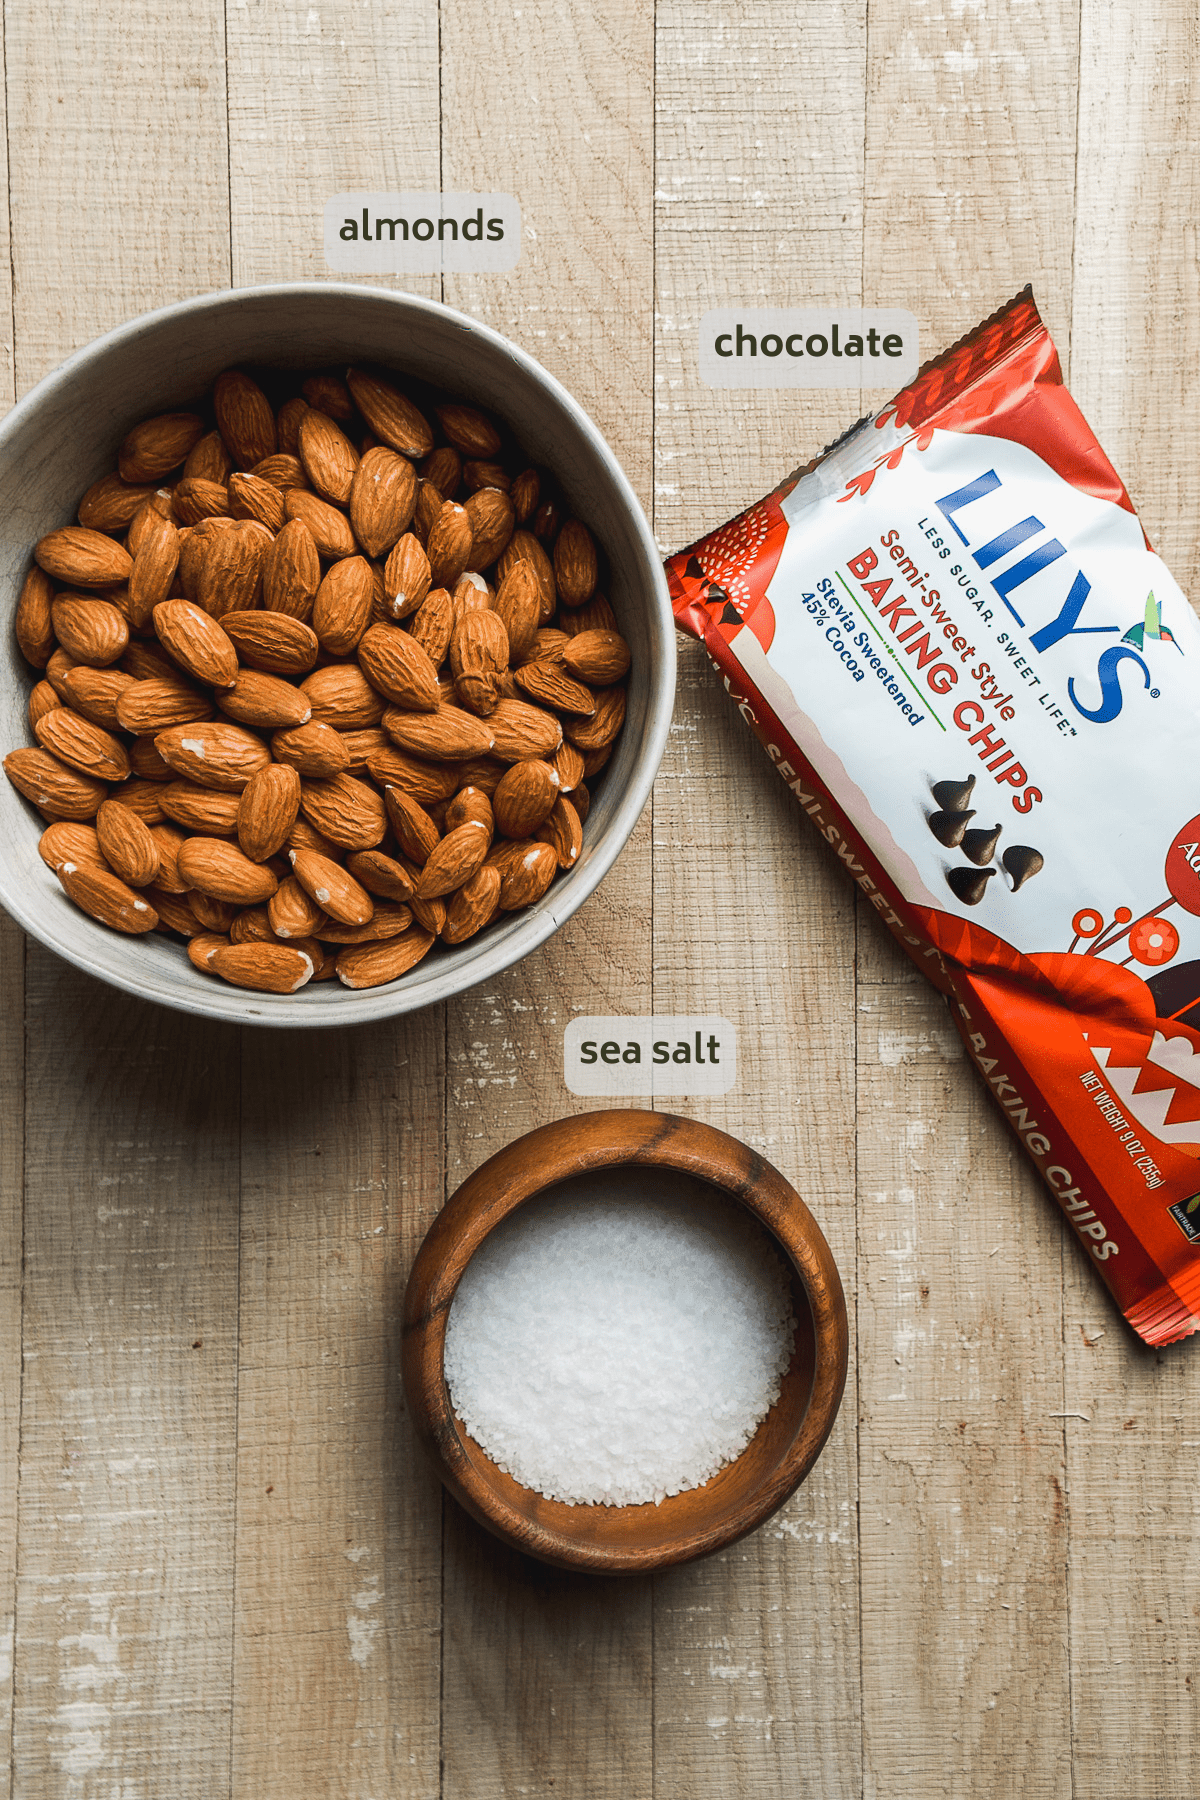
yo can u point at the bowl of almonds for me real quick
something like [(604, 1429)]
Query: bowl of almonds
[(340, 657)]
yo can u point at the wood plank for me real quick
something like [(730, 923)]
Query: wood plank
[(123, 1640), (109, 221), (547, 1676), (337, 1668), (970, 181), (759, 187), (12, 1143), (336, 1674), (1131, 1456), (321, 102)]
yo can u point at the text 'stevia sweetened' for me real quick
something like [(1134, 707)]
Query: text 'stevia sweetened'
[(965, 660)]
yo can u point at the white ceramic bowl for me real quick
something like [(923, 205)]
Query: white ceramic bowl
[(65, 434)]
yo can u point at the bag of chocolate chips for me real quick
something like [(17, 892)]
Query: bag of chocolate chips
[(963, 657)]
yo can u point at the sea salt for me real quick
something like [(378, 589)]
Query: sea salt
[(608, 1348)]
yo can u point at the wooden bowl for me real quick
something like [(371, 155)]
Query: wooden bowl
[(629, 1539)]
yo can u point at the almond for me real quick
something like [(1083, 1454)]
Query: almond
[(393, 419), (144, 798), (147, 662), (94, 693), (524, 799), (597, 657), (447, 735), (407, 577), (329, 457), (372, 965), (594, 761), (267, 811), (43, 699), (208, 460), (428, 782), (250, 497), (283, 470), (154, 568), (474, 906), (232, 569), (334, 891), (479, 645), (212, 914), (394, 663), (429, 503), (449, 544), (272, 641), (91, 631), (567, 763), (267, 968), (197, 500), (201, 947), (575, 564), (526, 875), (127, 845), (168, 839), (563, 831), (551, 687), (156, 446), (145, 761), (598, 732), (66, 841), (58, 668), (597, 615), (548, 520), (382, 496), (378, 873), (549, 646), (442, 469), (518, 604), (207, 810), (521, 732), (104, 896), (149, 707), (266, 701), (293, 913), (433, 624), (174, 912), (469, 430), (33, 624), (361, 746), (388, 921), (194, 640), (111, 504), (288, 425), (291, 572), (471, 806), (479, 475), (194, 543), (312, 749), (330, 529), (524, 547), (525, 493), (342, 609), (244, 418), (252, 926), (215, 755), (82, 745), (482, 772), (329, 395), (218, 867), (341, 696), (415, 831), (493, 522), (347, 811), (453, 861), (55, 789)]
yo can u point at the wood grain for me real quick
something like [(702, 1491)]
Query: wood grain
[(546, 1676), (338, 1568), (1131, 1437)]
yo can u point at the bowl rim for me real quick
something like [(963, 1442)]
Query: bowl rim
[(525, 1168), (427, 984)]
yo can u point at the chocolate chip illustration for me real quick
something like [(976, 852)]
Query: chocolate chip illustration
[(1022, 863), (969, 884), (953, 795), (694, 568), (730, 615), (948, 827), (980, 845)]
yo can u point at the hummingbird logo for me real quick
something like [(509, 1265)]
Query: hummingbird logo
[(1151, 627)]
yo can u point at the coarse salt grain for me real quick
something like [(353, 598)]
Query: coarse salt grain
[(602, 1348)]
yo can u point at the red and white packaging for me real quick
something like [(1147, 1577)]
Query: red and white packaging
[(960, 588)]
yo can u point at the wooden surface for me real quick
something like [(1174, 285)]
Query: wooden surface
[(225, 1572)]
